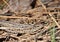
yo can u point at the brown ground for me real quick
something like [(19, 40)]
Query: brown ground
[(29, 20)]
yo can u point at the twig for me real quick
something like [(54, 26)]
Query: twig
[(9, 6), (49, 14)]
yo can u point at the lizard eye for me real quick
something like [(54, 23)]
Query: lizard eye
[(33, 3)]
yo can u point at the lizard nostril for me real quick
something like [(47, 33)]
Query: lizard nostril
[(20, 34)]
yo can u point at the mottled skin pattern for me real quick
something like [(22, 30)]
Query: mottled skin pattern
[(20, 5)]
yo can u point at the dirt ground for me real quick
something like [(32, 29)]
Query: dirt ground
[(29, 20)]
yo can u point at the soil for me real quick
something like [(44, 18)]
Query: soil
[(30, 21)]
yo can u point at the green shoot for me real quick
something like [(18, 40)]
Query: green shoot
[(53, 35)]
